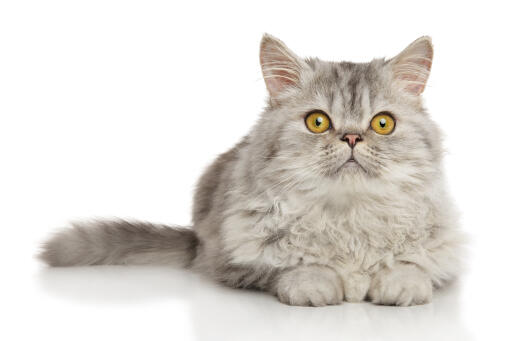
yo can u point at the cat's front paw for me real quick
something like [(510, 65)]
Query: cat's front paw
[(403, 285), (310, 286)]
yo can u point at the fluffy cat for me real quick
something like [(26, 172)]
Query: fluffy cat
[(336, 193)]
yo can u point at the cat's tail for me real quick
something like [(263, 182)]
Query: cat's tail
[(120, 242)]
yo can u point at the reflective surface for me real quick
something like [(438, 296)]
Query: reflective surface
[(197, 309)]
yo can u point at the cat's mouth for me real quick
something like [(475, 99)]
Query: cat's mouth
[(351, 163), (349, 166)]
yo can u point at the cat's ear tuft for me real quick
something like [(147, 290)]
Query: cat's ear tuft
[(280, 66), (411, 67)]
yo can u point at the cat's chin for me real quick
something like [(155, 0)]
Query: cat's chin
[(351, 166), (351, 163)]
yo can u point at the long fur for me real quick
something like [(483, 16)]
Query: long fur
[(120, 242), (284, 212)]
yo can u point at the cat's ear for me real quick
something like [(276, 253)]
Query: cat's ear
[(411, 67), (280, 66)]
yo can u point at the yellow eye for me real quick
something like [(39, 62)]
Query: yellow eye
[(318, 122), (383, 123)]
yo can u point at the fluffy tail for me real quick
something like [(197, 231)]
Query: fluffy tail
[(120, 242)]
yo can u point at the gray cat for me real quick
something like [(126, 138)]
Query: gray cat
[(336, 194)]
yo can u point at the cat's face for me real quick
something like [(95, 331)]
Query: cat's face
[(348, 121)]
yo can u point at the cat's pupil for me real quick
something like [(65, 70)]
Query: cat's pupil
[(318, 121), (382, 122)]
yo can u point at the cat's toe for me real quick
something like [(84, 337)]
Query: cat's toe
[(310, 286), (404, 285)]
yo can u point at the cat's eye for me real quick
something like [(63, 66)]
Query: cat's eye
[(383, 123), (317, 122)]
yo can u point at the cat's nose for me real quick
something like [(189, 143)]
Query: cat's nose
[(351, 139)]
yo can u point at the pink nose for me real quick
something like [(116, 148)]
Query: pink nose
[(351, 139)]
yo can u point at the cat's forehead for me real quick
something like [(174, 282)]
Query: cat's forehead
[(345, 89)]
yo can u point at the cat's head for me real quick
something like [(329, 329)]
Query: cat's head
[(347, 121)]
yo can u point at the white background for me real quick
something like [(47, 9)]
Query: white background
[(113, 108)]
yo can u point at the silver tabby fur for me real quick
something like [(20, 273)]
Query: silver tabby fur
[(284, 213)]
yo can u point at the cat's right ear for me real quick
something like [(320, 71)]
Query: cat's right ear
[(280, 66)]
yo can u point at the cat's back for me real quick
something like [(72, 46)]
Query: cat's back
[(212, 184)]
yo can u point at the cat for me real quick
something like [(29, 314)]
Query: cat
[(337, 193)]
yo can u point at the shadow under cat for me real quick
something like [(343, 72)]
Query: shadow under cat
[(219, 313)]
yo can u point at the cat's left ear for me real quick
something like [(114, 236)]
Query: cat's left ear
[(411, 67), (281, 68)]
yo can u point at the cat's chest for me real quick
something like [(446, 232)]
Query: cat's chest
[(294, 232)]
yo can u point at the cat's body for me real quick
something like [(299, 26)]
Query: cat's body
[(288, 210)]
